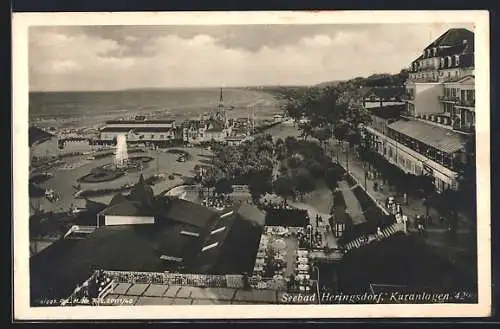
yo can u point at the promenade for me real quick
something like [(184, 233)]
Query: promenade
[(455, 246)]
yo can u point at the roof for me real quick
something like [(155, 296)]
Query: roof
[(452, 37), (59, 268), (37, 135), (460, 80), (187, 212), (387, 112), (142, 202), (400, 260), (442, 139), (138, 129)]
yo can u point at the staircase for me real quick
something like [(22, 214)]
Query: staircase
[(78, 229), (384, 234)]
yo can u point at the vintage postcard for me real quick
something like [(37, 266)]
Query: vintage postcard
[(251, 165)]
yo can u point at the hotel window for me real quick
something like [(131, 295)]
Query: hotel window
[(449, 61), (442, 62), (434, 51), (457, 60), (470, 95)]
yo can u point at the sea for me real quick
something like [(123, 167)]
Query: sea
[(92, 109)]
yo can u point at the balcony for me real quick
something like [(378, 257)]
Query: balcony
[(449, 99), (440, 119), (466, 128), (425, 79), (466, 102), (408, 97)]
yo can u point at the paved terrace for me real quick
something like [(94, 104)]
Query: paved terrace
[(161, 294)]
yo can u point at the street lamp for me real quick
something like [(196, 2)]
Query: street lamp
[(317, 283)]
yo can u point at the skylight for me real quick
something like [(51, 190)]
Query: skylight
[(220, 229), (227, 214), (210, 246), (190, 233)]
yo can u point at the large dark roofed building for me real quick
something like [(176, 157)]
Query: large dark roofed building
[(146, 233)]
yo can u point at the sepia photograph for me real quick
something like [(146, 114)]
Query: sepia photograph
[(178, 165)]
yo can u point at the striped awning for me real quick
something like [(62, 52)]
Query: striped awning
[(443, 139)]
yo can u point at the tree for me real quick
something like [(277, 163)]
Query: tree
[(303, 181), (316, 168), (210, 178), (223, 186), (306, 130), (341, 131), (295, 161), (332, 176), (259, 183), (283, 187), (322, 135)]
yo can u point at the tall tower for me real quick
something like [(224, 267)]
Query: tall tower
[(221, 113)]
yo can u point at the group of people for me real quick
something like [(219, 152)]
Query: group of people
[(310, 238), (218, 202)]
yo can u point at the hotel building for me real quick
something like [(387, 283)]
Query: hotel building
[(430, 135)]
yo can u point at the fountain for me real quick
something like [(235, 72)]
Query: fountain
[(121, 156), (120, 166)]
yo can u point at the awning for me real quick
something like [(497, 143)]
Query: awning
[(440, 138)]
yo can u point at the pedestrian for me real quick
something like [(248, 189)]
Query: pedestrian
[(405, 198), (375, 186)]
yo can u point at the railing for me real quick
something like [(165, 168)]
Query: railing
[(426, 79), (383, 234), (446, 98), (196, 280), (466, 102), (408, 97), (468, 129)]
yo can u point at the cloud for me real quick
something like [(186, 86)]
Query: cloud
[(103, 58)]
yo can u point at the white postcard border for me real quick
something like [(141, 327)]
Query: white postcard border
[(20, 166)]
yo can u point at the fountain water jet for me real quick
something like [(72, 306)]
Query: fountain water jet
[(121, 156)]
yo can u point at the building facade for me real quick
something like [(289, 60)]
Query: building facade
[(139, 130), (430, 135)]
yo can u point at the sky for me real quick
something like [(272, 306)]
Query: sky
[(76, 58)]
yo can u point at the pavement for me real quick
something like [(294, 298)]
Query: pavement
[(353, 207), (437, 233)]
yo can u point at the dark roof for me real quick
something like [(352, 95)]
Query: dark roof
[(215, 126), (59, 268), (452, 37), (190, 213), (387, 112), (142, 192), (37, 135), (142, 202), (400, 260), (442, 139), (146, 121)]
